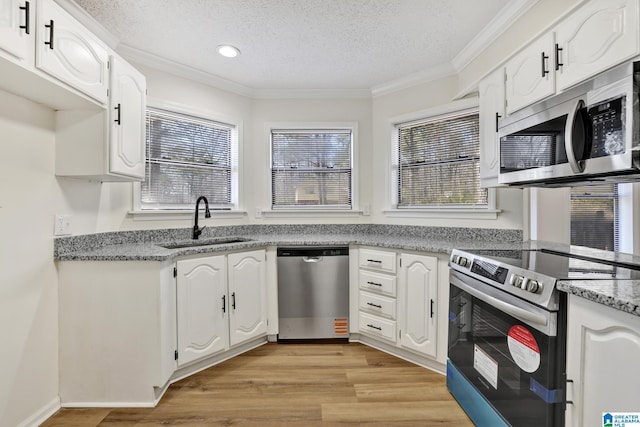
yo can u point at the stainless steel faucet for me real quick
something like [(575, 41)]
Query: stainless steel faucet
[(197, 231)]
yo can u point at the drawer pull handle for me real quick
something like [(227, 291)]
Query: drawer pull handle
[(26, 26), (374, 305), (118, 108), (375, 327), (50, 27), (377, 261), (224, 303), (374, 283)]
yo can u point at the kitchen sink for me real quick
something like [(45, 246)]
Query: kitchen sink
[(204, 242)]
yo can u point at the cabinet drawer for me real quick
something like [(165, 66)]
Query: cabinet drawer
[(377, 326), (380, 260), (379, 283), (378, 305)]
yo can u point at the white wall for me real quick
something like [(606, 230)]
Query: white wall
[(28, 285)]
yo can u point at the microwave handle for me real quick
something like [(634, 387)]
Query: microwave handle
[(577, 166)]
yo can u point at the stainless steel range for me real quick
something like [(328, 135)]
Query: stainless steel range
[(507, 332)]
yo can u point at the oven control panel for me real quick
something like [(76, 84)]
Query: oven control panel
[(525, 283), (499, 273)]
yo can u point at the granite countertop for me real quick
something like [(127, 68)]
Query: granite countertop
[(620, 294), (147, 245)]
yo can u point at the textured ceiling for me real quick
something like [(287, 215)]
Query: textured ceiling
[(299, 44)]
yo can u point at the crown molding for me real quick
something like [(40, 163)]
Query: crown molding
[(496, 27), (414, 79), (89, 21), (159, 63), (312, 93)]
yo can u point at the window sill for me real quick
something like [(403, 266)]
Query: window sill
[(169, 214), (309, 213), (489, 214)]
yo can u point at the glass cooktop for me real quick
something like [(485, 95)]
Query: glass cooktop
[(559, 265)]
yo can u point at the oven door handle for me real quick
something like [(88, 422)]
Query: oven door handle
[(512, 310)]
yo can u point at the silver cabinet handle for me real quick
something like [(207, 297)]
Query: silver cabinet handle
[(577, 165)]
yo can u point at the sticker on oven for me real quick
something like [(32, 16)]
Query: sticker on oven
[(524, 348), (486, 366)]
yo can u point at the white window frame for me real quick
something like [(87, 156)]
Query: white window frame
[(141, 212), (312, 211), (456, 108)]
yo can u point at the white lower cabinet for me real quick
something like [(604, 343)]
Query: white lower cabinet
[(201, 308), (603, 373), (117, 332), (221, 303), (417, 300), (399, 308), (247, 296)]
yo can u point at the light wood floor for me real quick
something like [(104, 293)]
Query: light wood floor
[(302, 385)]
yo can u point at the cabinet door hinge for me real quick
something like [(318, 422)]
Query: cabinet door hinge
[(175, 355), (175, 271)]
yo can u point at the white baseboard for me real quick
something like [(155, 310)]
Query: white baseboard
[(108, 405), (42, 414)]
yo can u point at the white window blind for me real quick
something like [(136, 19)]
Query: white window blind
[(594, 217), (311, 168), (439, 164), (187, 157)]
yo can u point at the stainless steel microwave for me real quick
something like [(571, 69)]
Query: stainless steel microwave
[(586, 135)]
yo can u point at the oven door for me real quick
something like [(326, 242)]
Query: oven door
[(507, 352)]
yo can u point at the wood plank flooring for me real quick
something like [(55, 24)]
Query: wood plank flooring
[(304, 385)]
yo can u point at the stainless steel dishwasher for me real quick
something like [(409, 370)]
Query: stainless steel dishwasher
[(313, 292)]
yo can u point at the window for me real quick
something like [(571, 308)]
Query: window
[(188, 157), (311, 168), (595, 217), (438, 163)]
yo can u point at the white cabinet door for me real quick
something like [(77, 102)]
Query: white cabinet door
[(417, 298), (127, 103), (491, 91), (17, 27), (603, 350), (597, 36), (69, 52), (247, 296), (530, 74), (201, 305)]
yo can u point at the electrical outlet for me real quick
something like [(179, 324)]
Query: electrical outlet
[(62, 225), (258, 213), (366, 210)]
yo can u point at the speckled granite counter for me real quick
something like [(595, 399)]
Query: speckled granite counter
[(147, 245), (621, 294)]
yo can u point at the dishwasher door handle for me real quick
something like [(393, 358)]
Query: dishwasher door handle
[(312, 258)]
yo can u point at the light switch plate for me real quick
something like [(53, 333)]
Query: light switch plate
[(62, 225)]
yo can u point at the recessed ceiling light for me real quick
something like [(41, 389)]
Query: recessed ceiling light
[(228, 51)]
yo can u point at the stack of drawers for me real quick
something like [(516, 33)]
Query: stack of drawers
[(377, 285)]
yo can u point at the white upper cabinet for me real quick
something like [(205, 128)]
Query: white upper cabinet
[(491, 92), (597, 36), (127, 104), (17, 28), (530, 75), (69, 52)]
